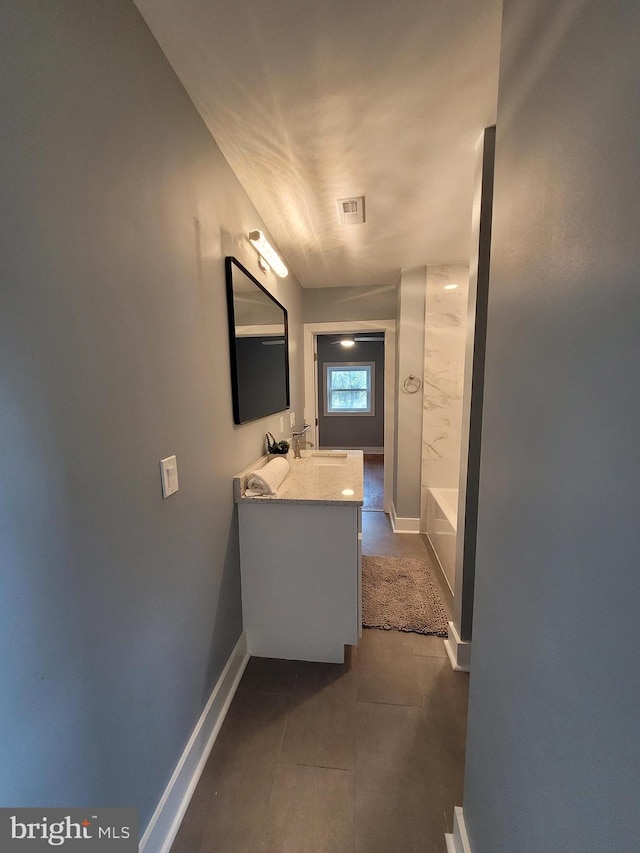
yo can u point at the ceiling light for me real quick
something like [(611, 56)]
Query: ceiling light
[(450, 286), (268, 253), (348, 492), (348, 342)]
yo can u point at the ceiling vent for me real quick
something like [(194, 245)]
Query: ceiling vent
[(351, 210)]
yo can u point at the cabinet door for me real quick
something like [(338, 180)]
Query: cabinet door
[(300, 579)]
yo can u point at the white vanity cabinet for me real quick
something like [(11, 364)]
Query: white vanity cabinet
[(300, 562)]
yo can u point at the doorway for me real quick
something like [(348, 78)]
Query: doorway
[(319, 336), (350, 386), (350, 405)]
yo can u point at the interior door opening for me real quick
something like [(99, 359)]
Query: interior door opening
[(350, 403), (350, 397)]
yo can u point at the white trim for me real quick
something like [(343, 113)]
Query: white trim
[(163, 826), (458, 842), (311, 330), (259, 330), (459, 651), (403, 525)]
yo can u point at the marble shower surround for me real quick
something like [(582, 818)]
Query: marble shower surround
[(445, 333)]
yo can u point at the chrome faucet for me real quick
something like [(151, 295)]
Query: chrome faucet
[(298, 444)]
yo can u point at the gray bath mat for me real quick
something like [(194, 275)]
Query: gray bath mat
[(400, 593)]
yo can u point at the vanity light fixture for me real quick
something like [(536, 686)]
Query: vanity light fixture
[(347, 342), (268, 253), (450, 286)]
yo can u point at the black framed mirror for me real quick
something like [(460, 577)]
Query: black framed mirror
[(259, 346)]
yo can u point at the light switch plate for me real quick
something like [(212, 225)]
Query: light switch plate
[(281, 424), (292, 418), (169, 473)]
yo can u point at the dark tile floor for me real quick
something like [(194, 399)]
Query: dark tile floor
[(362, 757)]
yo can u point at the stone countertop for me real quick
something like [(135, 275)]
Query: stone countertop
[(314, 479)]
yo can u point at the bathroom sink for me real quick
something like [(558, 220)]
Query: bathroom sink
[(328, 457)]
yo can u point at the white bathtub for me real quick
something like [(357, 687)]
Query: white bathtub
[(442, 524)]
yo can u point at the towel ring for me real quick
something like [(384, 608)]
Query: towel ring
[(412, 384)]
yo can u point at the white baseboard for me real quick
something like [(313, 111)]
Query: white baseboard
[(448, 838), (403, 525), (163, 826), (459, 651), (458, 842)]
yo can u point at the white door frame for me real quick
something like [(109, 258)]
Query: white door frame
[(311, 331)]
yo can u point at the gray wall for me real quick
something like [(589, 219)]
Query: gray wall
[(118, 609), (553, 759), (360, 431), (333, 304)]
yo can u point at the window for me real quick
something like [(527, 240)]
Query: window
[(349, 388)]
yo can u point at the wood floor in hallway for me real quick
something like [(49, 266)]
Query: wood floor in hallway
[(363, 757), (373, 481)]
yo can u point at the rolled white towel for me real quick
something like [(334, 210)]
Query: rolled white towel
[(266, 480)]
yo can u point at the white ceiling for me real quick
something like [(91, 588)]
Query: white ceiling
[(314, 100)]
